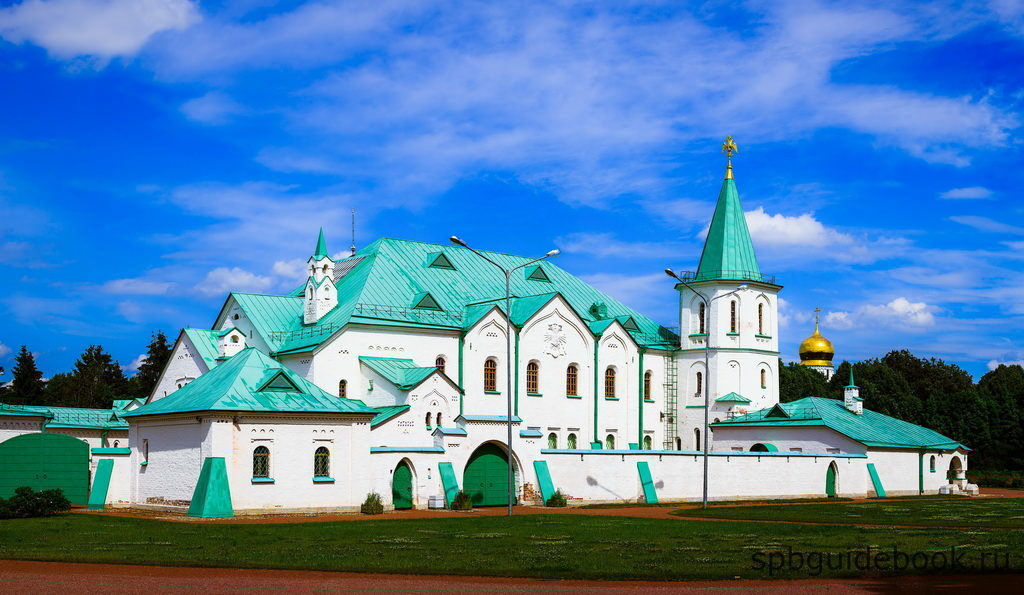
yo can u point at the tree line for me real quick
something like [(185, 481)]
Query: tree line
[(95, 382), (986, 416)]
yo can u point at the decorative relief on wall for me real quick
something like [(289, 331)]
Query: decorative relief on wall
[(492, 334), (385, 348), (554, 340), (613, 346)]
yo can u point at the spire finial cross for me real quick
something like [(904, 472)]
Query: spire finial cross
[(817, 311), (729, 147)]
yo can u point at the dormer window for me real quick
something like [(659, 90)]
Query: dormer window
[(425, 301), (536, 273), (438, 260)]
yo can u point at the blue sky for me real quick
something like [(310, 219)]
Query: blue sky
[(155, 154)]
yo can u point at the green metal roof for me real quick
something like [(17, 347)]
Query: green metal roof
[(236, 385), (380, 283), (387, 413), (206, 344), (732, 398), (728, 251), (69, 417), (403, 373), (869, 428), (321, 247)]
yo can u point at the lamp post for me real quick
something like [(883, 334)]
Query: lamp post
[(707, 365), (508, 348)]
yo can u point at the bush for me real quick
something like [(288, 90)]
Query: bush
[(462, 501), (28, 503), (557, 500), (372, 504)]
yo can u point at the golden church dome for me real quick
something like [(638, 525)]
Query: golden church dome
[(816, 350)]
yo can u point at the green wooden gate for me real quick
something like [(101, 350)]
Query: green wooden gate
[(45, 462), (486, 476), (830, 481), (401, 486)]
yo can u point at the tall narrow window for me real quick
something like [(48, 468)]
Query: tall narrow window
[(760, 319), (429, 419), (609, 383), (679, 444), (572, 381), (733, 322), (439, 362), (552, 440), (696, 439), (570, 441), (700, 384), (438, 419), (532, 378), (322, 462), (145, 451), (261, 462), (609, 442), (647, 385), (491, 376), (700, 319), (648, 443), (343, 389), (764, 379)]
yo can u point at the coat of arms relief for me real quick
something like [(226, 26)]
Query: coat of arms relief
[(554, 340)]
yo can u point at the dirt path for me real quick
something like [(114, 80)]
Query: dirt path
[(71, 579)]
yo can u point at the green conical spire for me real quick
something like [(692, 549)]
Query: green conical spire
[(851, 377), (728, 251), (321, 246)]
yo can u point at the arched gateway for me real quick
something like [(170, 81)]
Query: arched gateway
[(401, 487), (486, 476)]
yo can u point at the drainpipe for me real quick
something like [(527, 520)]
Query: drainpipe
[(462, 345), (597, 345), (103, 438), (920, 472), (516, 331), (640, 403)]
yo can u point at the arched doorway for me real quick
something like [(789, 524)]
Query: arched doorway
[(401, 486), (832, 480), (486, 476), (45, 462), (955, 474)]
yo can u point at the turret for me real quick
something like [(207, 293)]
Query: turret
[(320, 293), (851, 396)]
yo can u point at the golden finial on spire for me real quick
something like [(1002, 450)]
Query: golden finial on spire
[(816, 312), (729, 147)]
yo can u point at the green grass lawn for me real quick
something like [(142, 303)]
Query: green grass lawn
[(947, 512), (547, 546)]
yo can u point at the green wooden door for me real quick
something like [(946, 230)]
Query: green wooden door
[(45, 462), (830, 481), (401, 487), (486, 477)]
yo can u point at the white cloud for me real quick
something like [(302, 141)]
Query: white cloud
[(133, 368), (967, 193), (293, 270), (986, 224), (212, 108), (101, 29), (653, 294), (223, 280), (900, 311), (137, 286), (4, 350), (132, 311), (605, 245)]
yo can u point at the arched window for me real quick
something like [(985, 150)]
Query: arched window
[(764, 378), (760, 319), (235, 317), (647, 385), (702, 313), (309, 293), (491, 376), (570, 441), (234, 338), (700, 384), (439, 362), (733, 318), (609, 442), (696, 439), (325, 269), (931, 462), (609, 383), (116, 442), (438, 419), (429, 418), (261, 462), (552, 440), (532, 378), (648, 443), (679, 444), (343, 389), (572, 380), (322, 462)]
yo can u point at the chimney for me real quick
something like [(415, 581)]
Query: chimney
[(851, 396)]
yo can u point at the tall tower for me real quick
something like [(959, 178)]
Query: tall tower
[(816, 352), (320, 294), (729, 308)]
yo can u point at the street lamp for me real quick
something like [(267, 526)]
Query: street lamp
[(707, 365), (508, 348)]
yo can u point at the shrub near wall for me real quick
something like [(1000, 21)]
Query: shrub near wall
[(996, 479), (28, 503), (372, 504)]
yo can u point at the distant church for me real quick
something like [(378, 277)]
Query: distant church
[(393, 370)]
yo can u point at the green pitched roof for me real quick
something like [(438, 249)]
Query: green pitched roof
[(206, 344), (387, 413), (732, 398), (321, 247), (69, 417), (251, 381), (869, 428), (403, 373), (728, 251)]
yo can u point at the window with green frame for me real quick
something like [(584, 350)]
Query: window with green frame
[(261, 462), (570, 441), (648, 443), (552, 440), (322, 462), (609, 442)]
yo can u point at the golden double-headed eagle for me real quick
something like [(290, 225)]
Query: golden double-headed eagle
[(729, 147)]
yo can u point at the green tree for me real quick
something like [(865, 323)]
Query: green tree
[(27, 385), (97, 378), (157, 354), (797, 381), (883, 389), (60, 391), (1001, 393)]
